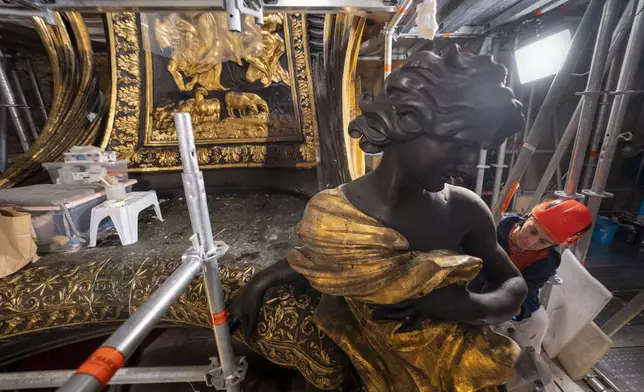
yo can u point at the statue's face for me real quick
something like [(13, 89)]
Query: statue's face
[(433, 160)]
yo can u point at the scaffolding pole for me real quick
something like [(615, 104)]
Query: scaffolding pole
[(630, 64), (94, 374), (36, 89), (621, 31), (10, 101), (591, 97), (23, 101), (600, 127), (528, 113), (498, 171), (556, 137), (231, 371), (480, 175), (620, 34), (124, 376), (624, 315), (543, 122), (390, 31)]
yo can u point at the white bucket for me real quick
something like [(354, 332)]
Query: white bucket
[(115, 192)]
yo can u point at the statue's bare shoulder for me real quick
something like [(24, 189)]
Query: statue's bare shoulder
[(468, 204)]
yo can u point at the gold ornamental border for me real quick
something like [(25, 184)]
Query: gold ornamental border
[(126, 115)]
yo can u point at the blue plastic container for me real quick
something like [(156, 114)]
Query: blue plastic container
[(605, 230), (640, 211)]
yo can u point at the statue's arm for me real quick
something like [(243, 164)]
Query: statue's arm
[(506, 289), (277, 274), (244, 306)]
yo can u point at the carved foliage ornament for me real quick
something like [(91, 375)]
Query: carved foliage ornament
[(50, 298), (233, 128)]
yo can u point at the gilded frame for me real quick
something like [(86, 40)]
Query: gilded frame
[(129, 113)]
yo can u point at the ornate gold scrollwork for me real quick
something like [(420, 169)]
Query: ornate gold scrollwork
[(46, 298)]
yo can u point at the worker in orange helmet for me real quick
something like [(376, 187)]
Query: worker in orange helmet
[(531, 243)]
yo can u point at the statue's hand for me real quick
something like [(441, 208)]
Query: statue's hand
[(244, 306), (406, 312)]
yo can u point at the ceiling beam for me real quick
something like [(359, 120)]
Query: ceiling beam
[(464, 14), (519, 10)]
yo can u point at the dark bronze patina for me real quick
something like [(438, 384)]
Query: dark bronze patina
[(433, 117)]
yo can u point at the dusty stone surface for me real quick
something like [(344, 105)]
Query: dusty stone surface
[(258, 227)]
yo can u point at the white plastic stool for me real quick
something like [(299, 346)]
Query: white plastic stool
[(124, 215)]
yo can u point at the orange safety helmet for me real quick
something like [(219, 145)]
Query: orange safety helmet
[(565, 220)]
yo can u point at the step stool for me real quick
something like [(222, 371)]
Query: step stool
[(124, 215)]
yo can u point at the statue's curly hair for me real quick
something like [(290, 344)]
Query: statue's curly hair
[(439, 96)]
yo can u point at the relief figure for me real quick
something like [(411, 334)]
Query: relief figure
[(247, 117), (266, 67), (200, 42), (201, 109), (245, 104)]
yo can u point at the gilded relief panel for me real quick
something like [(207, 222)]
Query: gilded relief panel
[(249, 94)]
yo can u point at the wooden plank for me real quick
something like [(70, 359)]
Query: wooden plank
[(584, 351)]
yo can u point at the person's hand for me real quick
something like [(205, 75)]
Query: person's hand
[(243, 308)]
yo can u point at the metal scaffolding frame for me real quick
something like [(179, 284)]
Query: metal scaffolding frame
[(390, 32), (543, 121), (36, 89), (124, 376), (23, 102), (618, 37), (521, 9), (9, 101), (310, 6), (591, 97), (614, 133), (227, 371)]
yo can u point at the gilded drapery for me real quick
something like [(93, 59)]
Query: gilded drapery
[(355, 260)]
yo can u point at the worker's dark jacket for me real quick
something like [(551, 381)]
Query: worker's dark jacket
[(535, 274)]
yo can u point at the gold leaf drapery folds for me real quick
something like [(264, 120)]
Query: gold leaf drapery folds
[(255, 109), (354, 260)]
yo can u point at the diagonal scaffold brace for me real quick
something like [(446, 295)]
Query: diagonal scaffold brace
[(226, 371)]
